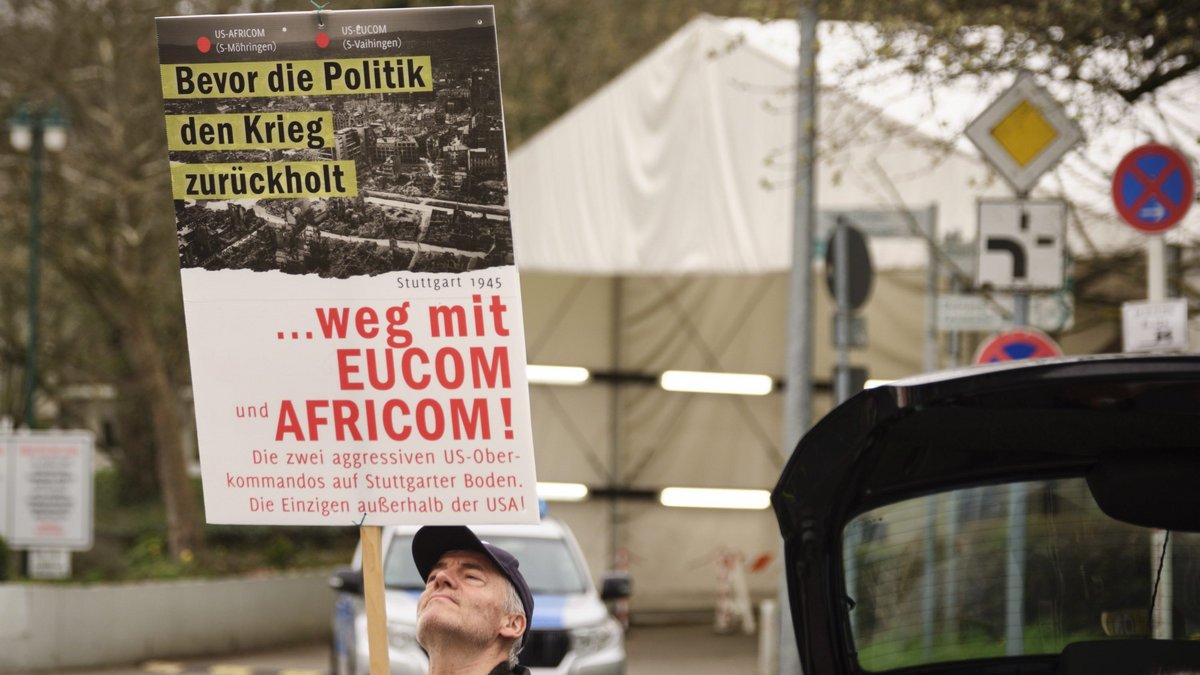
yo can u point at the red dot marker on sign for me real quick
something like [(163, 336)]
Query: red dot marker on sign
[(203, 44), (322, 39)]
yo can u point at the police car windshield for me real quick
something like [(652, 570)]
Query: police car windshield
[(547, 564)]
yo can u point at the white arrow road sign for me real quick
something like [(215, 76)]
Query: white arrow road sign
[(1020, 244)]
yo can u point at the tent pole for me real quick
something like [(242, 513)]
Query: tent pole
[(614, 430), (798, 393)]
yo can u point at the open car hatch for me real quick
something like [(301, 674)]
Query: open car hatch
[(1020, 518)]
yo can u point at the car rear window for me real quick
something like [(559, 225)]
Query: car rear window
[(547, 564), (1015, 569)]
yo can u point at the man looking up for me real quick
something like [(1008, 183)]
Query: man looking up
[(473, 616)]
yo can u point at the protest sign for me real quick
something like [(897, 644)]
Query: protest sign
[(352, 303)]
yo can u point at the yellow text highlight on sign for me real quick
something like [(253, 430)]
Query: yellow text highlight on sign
[(251, 131), (264, 180), (397, 74)]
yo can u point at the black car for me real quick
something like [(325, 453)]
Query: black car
[(1037, 517)]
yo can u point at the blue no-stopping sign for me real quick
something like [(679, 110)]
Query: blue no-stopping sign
[(1153, 188)]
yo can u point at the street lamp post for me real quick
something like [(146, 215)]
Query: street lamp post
[(35, 130)]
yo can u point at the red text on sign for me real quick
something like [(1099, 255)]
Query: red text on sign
[(393, 419), (482, 368)]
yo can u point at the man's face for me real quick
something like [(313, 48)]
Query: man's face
[(463, 601)]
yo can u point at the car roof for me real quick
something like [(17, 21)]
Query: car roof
[(1129, 424), (992, 423)]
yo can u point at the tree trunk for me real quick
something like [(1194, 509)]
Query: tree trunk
[(133, 448), (184, 531)]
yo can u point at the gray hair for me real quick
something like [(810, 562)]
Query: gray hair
[(512, 605)]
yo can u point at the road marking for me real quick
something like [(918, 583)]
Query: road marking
[(177, 668), (222, 669)]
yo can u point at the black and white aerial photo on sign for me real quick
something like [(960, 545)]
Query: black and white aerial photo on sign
[(430, 167)]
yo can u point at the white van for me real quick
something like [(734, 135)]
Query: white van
[(572, 631)]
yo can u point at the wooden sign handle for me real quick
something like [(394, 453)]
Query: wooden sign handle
[(372, 566)]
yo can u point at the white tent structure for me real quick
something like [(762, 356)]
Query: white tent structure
[(653, 230), (683, 163)]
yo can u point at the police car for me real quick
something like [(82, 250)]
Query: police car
[(572, 631)]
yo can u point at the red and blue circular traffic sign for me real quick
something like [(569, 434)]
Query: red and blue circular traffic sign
[(1152, 188), (1016, 345)]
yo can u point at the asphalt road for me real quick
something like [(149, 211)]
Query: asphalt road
[(693, 649)]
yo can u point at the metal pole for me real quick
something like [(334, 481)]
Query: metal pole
[(1174, 258), (1156, 291), (35, 269), (950, 606), (932, 273), (1015, 597), (841, 317), (1021, 298), (1015, 588), (1156, 268), (928, 573), (954, 339), (1164, 605), (798, 394), (850, 545), (1020, 309)]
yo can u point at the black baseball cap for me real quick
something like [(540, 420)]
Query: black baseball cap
[(433, 541)]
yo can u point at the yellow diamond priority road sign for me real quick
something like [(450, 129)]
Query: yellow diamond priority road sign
[(1024, 133)]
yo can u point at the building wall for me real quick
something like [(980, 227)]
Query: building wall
[(51, 627)]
